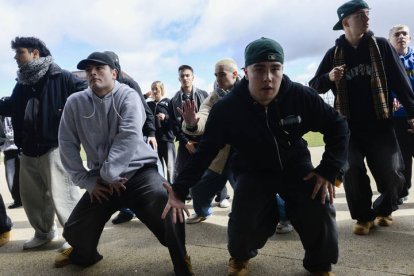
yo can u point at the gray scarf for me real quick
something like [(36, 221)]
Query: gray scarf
[(33, 71)]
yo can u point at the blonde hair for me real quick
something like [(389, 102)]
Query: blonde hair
[(397, 27), (228, 63), (160, 85)]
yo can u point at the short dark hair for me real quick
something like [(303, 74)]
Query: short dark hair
[(31, 43), (185, 67)]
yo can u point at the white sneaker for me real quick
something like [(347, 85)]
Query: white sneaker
[(37, 242), (225, 203), (194, 218), (284, 227)]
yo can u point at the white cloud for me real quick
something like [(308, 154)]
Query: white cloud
[(153, 38)]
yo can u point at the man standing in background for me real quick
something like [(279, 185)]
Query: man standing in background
[(400, 38)]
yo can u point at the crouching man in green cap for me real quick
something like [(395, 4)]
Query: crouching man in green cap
[(264, 118)]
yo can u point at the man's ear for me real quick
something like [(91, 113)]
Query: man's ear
[(245, 74), (36, 53), (114, 74), (235, 74)]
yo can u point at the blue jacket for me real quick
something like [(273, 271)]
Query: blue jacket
[(37, 135), (408, 61)]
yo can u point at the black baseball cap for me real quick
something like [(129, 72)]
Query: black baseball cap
[(96, 57)]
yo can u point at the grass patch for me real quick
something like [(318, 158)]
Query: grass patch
[(314, 139)]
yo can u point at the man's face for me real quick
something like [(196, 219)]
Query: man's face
[(23, 56), (400, 39), (264, 80), (186, 78), (358, 22), (100, 78), (224, 77), (156, 92)]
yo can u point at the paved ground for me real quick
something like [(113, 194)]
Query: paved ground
[(130, 249)]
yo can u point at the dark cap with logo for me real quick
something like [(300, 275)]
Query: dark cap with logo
[(263, 49), (96, 57), (348, 8)]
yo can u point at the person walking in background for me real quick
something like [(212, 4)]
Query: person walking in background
[(36, 106), (122, 167), (11, 160), (187, 143), (361, 69), (400, 39), (164, 134)]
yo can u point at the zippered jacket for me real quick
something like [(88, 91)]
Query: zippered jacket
[(269, 139), (163, 128), (38, 134)]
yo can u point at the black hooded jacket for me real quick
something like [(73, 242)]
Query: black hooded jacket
[(269, 139), (358, 76), (38, 134), (149, 125)]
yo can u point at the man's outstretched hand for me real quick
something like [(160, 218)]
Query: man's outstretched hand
[(175, 205)]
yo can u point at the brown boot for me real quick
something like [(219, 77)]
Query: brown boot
[(238, 267), (363, 228), (384, 221), (4, 238), (187, 261)]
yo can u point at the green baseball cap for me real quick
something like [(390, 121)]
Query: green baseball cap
[(348, 8), (263, 49)]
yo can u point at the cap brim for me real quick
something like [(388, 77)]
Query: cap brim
[(338, 26), (84, 63)]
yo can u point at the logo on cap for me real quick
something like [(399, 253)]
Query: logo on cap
[(271, 57)]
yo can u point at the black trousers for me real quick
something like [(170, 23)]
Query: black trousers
[(406, 142), (146, 197), (383, 157), (250, 227), (12, 167), (5, 222)]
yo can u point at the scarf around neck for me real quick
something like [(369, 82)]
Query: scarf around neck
[(379, 87), (33, 71)]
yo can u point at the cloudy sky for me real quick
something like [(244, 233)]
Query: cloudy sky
[(152, 38)]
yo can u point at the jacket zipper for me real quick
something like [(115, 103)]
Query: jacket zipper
[(274, 139)]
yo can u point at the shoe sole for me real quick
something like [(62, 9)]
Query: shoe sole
[(62, 263)]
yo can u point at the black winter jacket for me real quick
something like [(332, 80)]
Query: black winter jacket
[(36, 136), (163, 128), (358, 75), (269, 139), (198, 96)]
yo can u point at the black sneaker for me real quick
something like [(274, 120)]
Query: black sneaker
[(15, 205), (122, 217)]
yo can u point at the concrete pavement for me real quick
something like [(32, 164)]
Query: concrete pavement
[(131, 249)]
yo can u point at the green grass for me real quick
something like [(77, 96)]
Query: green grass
[(314, 139)]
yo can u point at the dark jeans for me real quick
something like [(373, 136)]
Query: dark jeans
[(383, 157), (406, 142), (210, 184), (12, 166), (146, 197), (183, 156), (5, 222), (250, 227), (167, 155)]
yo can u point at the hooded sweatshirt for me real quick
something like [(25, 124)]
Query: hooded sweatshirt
[(110, 131)]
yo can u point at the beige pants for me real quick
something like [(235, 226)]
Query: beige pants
[(46, 190)]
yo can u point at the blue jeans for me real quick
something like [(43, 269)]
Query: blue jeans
[(282, 208), (207, 187)]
